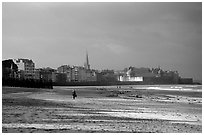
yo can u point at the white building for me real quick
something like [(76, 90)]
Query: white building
[(129, 78), (26, 68)]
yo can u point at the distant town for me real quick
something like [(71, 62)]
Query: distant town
[(24, 69)]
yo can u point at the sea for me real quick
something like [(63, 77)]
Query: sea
[(197, 88)]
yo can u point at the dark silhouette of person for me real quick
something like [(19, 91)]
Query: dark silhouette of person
[(74, 95)]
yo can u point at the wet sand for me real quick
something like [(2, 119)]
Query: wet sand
[(104, 110)]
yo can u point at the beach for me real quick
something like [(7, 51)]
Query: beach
[(103, 109)]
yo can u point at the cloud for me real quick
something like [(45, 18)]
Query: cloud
[(116, 48)]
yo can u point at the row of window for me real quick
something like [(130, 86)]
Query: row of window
[(29, 72), (29, 68)]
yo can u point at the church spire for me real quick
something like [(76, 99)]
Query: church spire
[(87, 66)]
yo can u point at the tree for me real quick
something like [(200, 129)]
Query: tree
[(9, 68)]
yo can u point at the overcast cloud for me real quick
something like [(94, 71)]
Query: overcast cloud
[(116, 35)]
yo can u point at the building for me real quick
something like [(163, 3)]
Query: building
[(46, 74), (169, 73), (131, 75), (185, 80), (149, 76), (37, 74), (91, 76), (67, 70), (54, 76), (64, 70), (26, 68), (106, 76), (9, 69), (77, 73)]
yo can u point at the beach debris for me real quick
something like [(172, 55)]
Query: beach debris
[(136, 96), (112, 94)]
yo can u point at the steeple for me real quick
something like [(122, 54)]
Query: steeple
[(87, 66)]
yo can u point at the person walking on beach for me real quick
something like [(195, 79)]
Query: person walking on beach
[(74, 95)]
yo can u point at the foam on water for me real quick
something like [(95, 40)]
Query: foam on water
[(171, 87), (152, 87)]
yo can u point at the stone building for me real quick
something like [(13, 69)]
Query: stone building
[(26, 68), (77, 73)]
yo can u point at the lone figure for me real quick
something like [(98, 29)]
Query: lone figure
[(74, 95)]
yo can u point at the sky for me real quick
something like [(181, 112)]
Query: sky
[(115, 35)]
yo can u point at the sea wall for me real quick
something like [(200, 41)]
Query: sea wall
[(146, 81)]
